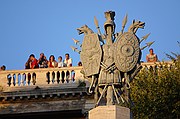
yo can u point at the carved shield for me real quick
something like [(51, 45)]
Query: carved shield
[(91, 54), (127, 52)]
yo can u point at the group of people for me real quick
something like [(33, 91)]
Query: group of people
[(42, 62)]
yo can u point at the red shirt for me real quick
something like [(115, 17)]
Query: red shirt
[(50, 64), (34, 64)]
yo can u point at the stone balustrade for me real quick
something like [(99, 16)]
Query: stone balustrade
[(38, 77), (48, 89), (156, 65), (50, 76)]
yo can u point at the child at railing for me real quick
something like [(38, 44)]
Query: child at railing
[(60, 62)]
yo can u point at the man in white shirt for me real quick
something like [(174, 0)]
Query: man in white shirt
[(68, 63), (151, 57), (68, 60)]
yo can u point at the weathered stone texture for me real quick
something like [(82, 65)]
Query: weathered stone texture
[(109, 112)]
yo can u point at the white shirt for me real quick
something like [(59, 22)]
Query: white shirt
[(60, 64), (151, 57), (68, 62)]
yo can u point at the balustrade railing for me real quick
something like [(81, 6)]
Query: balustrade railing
[(156, 65), (50, 76), (41, 76)]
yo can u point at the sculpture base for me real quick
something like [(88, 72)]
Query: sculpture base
[(109, 112)]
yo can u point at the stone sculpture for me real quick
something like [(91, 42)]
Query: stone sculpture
[(111, 60)]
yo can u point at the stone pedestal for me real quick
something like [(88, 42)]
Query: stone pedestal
[(109, 112)]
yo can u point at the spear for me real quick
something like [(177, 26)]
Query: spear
[(97, 25), (176, 55), (77, 42), (178, 43), (145, 37), (124, 23), (98, 28), (170, 57), (75, 49), (147, 45)]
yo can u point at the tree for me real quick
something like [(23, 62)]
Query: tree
[(155, 92)]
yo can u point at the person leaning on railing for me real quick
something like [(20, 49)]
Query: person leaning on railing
[(33, 65), (68, 60), (3, 68), (52, 62), (79, 63), (67, 63), (60, 62), (34, 62), (27, 64), (151, 57), (43, 62)]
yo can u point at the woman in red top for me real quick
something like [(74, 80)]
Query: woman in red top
[(52, 62)]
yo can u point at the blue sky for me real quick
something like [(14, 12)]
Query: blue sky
[(35, 26)]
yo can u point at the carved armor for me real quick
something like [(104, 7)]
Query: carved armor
[(112, 65), (91, 54), (109, 73), (127, 51)]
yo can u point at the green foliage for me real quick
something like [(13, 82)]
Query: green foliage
[(155, 93)]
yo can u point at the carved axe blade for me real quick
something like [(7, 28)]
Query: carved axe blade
[(73, 48), (75, 41), (149, 43), (145, 37)]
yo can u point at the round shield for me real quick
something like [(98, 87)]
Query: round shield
[(91, 54), (127, 52)]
